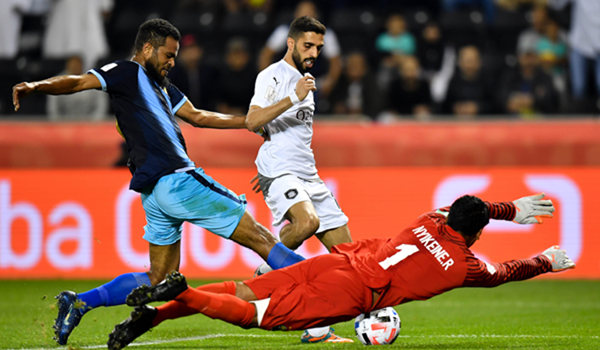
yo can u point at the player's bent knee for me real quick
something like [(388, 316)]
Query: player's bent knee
[(308, 226)]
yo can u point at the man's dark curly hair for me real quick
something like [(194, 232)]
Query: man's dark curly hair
[(468, 215), (155, 32), (305, 24)]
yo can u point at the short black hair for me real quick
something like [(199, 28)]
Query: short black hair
[(468, 215), (305, 24), (155, 32)]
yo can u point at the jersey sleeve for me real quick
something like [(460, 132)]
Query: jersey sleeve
[(482, 274), (116, 77), (177, 97), (498, 211), (502, 210), (266, 89)]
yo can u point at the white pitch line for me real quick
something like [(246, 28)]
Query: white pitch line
[(173, 340), (211, 336)]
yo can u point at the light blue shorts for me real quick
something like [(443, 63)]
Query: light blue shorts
[(190, 196)]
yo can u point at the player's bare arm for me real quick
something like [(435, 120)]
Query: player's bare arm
[(258, 117), (206, 119), (60, 85)]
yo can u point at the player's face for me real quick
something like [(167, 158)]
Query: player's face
[(306, 50), (162, 60)]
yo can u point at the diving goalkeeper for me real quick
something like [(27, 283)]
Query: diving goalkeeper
[(427, 258)]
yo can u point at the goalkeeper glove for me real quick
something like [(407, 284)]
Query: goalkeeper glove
[(532, 209), (559, 259)]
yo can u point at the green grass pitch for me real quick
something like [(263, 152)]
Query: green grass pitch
[(539, 314)]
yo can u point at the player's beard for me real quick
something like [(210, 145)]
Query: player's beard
[(298, 61), (153, 70)]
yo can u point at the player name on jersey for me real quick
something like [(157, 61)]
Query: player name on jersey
[(434, 247)]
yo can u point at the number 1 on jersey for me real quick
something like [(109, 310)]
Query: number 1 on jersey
[(405, 250)]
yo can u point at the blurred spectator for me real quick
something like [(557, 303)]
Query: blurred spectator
[(76, 27), (192, 76), (392, 46), (487, 7), (235, 86), (331, 51), (431, 49), (10, 25), (528, 90), (396, 41), (356, 92), (86, 105), (518, 5), (528, 40), (552, 51), (584, 41), (469, 92), (233, 6), (410, 94), (197, 6)]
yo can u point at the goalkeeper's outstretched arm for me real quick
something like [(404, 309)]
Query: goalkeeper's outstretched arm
[(482, 274)]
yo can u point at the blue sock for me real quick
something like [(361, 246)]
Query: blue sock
[(115, 291), (281, 256)]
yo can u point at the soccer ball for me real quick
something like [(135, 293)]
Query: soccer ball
[(379, 327)]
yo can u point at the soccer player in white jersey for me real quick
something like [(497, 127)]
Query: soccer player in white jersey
[(283, 106)]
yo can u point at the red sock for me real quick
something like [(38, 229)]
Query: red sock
[(175, 309), (226, 307)]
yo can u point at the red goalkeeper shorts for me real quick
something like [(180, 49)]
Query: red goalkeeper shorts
[(313, 293)]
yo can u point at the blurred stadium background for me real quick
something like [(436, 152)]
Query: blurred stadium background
[(421, 102)]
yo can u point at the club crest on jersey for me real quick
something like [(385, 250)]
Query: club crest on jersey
[(291, 194)]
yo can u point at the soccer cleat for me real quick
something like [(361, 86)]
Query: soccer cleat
[(134, 326), (166, 290), (330, 337), (262, 269), (69, 315)]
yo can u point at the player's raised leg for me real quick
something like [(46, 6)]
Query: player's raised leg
[(201, 200), (255, 236)]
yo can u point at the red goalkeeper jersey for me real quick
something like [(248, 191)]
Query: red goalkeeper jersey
[(429, 258)]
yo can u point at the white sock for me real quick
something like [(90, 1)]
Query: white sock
[(264, 268), (318, 332)]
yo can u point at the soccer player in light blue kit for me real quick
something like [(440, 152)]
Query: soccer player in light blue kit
[(173, 190)]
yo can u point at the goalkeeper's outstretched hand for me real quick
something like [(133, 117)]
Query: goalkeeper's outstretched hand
[(531, 209), (559, 259)]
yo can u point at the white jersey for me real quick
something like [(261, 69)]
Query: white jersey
[(289, 151)]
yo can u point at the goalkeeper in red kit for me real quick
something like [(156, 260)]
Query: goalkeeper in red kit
[(427, 258)]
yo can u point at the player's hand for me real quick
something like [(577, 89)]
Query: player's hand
[(19, 91), (531, 209), (304, 86), (256, 188), (559, 259)]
